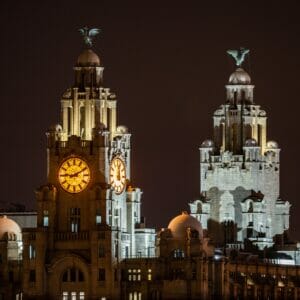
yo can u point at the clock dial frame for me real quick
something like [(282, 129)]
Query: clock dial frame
[(117, 175), (74, 175)]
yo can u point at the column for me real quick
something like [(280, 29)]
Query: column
[(113, 118), (87, 111), (71, 121), (65, 121), (92, 124), (103, 112), (76, 120)]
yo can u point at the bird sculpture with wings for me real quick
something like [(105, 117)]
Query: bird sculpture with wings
[(238, 55), (88, 35)]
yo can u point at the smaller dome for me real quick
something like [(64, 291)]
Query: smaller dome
[(239, 76), (251, 143), (88, 58), (122, 129), (55, 128), (272, 145), (9, 226), (208, 144), (181, 223)]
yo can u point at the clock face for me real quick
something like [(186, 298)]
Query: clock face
[(117, 175), (74, 175)]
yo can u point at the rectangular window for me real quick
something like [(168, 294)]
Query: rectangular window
[(65, 296), (73, 295), (32, 276), (149, 274), (31, 251), (101, 275), (11, 276), (98, 216), (98, 219), (45, 218), (101, 251), (75, 219), (135, 296), (116, 249), (72, 274), (81, 295), (139, 275), (134, 274)]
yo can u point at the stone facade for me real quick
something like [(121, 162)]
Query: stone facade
[(239, 173)]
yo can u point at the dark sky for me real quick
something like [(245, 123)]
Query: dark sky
[(168, 66)]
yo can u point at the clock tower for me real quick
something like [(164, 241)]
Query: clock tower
[(89, 215), (239, 171)]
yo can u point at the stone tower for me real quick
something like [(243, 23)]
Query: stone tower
[(88, 212), (239, 173)]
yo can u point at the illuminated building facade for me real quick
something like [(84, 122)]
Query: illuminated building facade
[(239, 172), (88, 212)]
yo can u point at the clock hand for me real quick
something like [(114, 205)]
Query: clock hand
[(75, 174)]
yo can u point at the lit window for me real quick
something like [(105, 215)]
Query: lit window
[(178, 253), (134, 274), (81, 295), (135, 296), (98, 216), (75, 219), (139, 275), (129, 275), (46, 218), (98, 219), (149, 274), (65, 295), (73, 296), (31, 251)]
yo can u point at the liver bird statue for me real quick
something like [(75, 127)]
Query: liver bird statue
[(88, 35), (238, 55)]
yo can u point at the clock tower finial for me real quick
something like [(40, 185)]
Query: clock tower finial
[(88, 35)]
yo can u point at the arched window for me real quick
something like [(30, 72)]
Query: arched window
[(247, 132), (135, 296), (199, 208), (178, 253), (72, 275)]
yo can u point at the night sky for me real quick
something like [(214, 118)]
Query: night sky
[(167, 63)]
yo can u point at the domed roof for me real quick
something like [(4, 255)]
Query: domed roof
[(55, 128), (207, 144), (88, 58), (239, 76), (179, 225), (272, 145), (250, 143), (9, 226)]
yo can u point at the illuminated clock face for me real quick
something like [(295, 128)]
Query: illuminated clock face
[(74, 175), (117, 175)]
